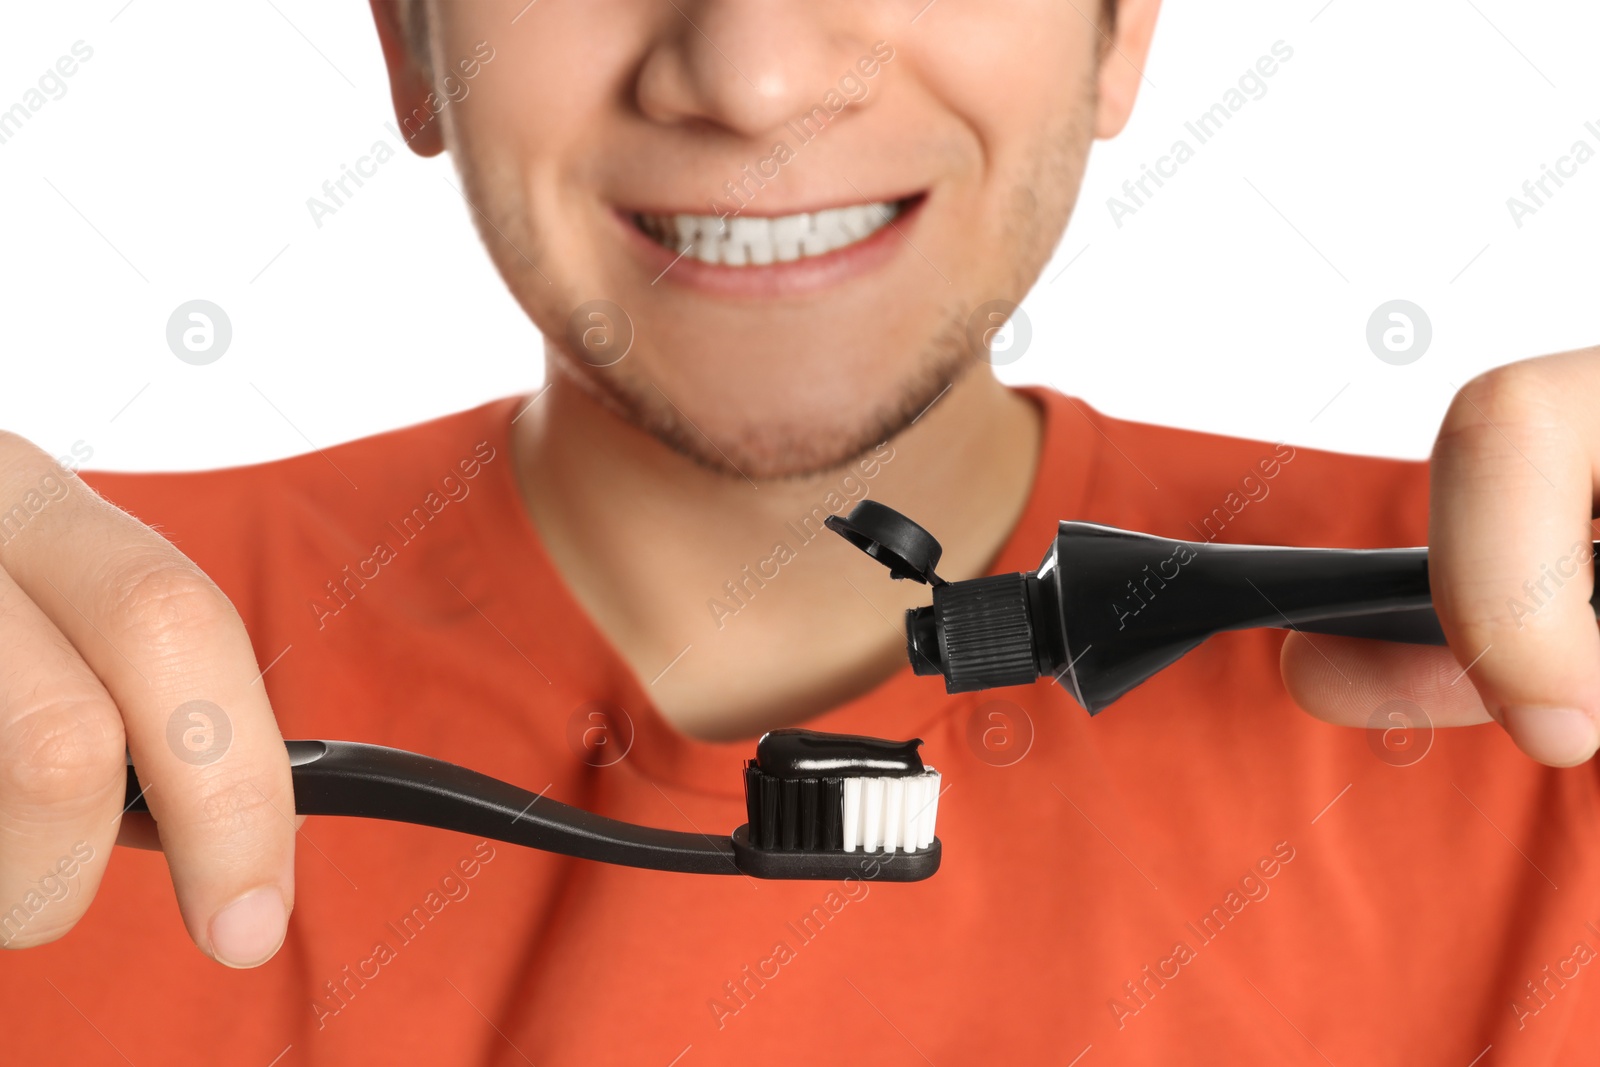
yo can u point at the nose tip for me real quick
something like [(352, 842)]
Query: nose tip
[(746, 68)]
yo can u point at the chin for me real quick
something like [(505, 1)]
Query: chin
[(822, 422)]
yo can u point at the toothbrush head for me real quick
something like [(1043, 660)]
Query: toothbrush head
[(826, 805)]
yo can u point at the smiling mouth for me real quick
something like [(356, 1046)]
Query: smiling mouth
[(749, 241)]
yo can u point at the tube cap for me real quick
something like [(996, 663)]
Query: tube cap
[(889, 537)]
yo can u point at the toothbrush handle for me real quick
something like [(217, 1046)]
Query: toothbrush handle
[(372, 782)]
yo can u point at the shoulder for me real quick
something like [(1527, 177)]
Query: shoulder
[(1203, 486), (237, 519)]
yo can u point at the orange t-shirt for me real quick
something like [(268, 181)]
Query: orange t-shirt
[(1201, 874)]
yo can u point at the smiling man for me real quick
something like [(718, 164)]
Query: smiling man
[(769, 243)]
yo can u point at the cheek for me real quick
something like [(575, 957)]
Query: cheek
[(1009, 78), (1023, 89), (539, 117)]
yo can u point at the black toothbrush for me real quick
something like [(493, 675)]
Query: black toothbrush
[(798, 793), (1108, 608)]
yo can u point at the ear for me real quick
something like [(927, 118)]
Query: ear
[(1122, 63), (409, 85)]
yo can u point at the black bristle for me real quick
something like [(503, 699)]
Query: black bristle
[(831, 826), (794, 814), (789, 813), (810, 798), (752, 796)]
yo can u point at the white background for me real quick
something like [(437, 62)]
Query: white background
[(1377, 166)]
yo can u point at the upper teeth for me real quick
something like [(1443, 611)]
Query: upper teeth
[(742, 241)]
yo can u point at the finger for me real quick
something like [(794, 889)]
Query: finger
[(1512, 493), (138, 830), (62, 776), (1347, 681), (174, 656)]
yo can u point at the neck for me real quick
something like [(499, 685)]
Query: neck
[(781, 619)]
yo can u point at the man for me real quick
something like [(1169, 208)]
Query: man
[(767, 242)]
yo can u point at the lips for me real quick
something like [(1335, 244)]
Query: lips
[(752, 241)]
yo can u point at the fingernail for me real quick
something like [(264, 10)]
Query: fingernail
[(1560, 736), (248, 931)]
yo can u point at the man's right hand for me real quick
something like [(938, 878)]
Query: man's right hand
[(111, 638)]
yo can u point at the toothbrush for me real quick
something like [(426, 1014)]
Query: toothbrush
[(1108, 608), (803, 822)]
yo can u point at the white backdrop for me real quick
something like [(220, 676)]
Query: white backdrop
[(1375, 164)]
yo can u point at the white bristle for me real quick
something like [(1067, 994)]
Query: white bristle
[(897, 814), (872, 815), (911, 814), (894, 797), (852, 813)]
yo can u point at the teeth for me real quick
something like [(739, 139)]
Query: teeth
[(753, 238), (856, 224), (749, 241), (786, 236)]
